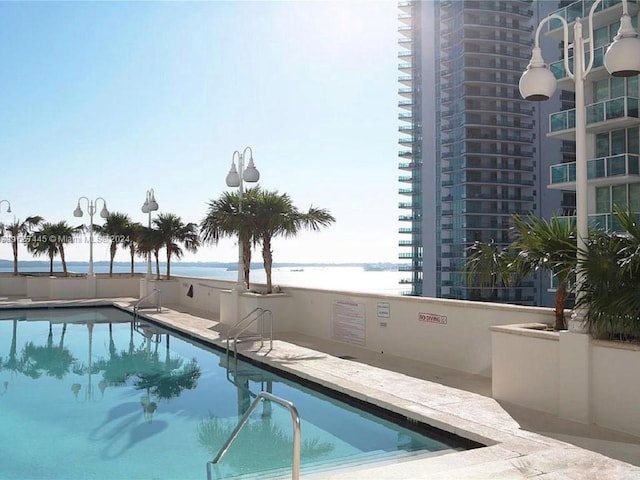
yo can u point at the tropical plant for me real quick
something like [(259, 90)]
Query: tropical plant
[(20, 230), (487, 268), (116, 227), (39, 244), (173, 231), (610, 269), (149, 243), (131, 240), (275, 215), (225, 218), (536, 245)]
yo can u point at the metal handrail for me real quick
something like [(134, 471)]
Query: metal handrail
[(295, 417), (136, 307), (252, 317)]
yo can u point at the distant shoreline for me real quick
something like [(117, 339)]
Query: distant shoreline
[(371, 266)]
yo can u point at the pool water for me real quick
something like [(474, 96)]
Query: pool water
[(88, 394)]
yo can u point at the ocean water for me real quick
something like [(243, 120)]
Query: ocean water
[(333, 277)]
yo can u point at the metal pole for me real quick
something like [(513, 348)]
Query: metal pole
[(91, 212), (582, 212), (240, 286)]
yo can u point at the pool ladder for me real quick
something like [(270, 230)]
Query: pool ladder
[(158, 306), (295, 418), (254, 316)]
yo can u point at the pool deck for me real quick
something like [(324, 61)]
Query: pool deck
[(449, 400)]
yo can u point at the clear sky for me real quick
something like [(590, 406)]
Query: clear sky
[(110, 99)]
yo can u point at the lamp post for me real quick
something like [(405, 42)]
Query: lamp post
[(622, 59), (8, 205), (91, 208), (149, 205), (236, 178)]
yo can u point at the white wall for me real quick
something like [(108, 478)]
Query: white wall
[(615, 386), (525, 371), (568, 374), (462, 343)]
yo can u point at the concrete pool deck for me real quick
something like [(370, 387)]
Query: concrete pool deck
[(448, 400)]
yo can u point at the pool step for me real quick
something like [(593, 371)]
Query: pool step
[(316, 470)]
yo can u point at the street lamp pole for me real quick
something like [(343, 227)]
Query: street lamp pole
[(8, 205), (537, 83), (149, 205), (236, 178), (91, 208)]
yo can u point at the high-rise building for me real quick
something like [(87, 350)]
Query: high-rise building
[(473, 152), (612, 123)]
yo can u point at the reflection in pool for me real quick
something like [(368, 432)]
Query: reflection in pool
[(89, 394)]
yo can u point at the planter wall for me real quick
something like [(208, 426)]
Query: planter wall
[(568, 374)]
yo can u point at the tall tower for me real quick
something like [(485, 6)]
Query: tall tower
[(471, 148)]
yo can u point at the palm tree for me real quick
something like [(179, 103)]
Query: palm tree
[(173, 231), (39, 244), (224, 218), (487, 267), (611, 267), (19, 229), (150, 242), (131, 241), (51, 239), (275, 215), (116, 227), (537, 245)]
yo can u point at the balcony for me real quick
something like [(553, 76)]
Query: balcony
[(604, 221), (597, 72), (605, 14), (410, 165), (409, 243), (622, 168), (603, 116)]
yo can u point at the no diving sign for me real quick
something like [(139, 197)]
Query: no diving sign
[(432, 318)]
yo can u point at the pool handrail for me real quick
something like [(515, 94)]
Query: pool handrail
[(295, 417), (248, 320), (158, 305)]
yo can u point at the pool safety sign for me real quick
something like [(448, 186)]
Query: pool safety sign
[(348, 322), (432, 318)]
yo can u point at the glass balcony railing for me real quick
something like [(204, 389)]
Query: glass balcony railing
[(620, 107), (607, 222), (580, 9), (564, 120), (610, 109), (597, 168), (558, 70)]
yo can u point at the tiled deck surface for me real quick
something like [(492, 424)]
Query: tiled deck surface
[(426, 393)]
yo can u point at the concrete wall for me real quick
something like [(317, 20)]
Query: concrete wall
[(568, 374), (525, 367), (453, 334)]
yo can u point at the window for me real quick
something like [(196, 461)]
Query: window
[(603, 204), (602, 145)]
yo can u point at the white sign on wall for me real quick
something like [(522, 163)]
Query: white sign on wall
[(348, 322), (384, 310), (432, 318)]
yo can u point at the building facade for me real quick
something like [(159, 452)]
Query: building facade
[(613, 135), (473, 152)]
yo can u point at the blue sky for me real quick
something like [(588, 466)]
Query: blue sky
[(110, 99)]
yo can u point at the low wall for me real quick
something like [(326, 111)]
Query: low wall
[(568, 374), (45, 287), (449, 333)]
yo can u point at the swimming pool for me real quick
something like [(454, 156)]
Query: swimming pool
[(88, 394)]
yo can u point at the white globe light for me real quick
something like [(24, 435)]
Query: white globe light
[(537, 84), (622, 58)]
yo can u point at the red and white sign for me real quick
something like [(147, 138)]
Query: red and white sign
[(432, 318)]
